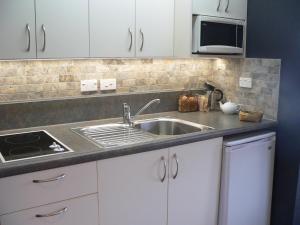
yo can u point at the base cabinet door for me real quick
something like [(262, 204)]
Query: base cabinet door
[(62, 28), (17, 29), (79, 211), (133, 189), (194, 183)]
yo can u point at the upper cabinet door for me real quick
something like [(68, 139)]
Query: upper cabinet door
[(112, 28), (62, 28), (235, 9), (207, 7), (194, 183), (133, 189), (154, 28), (17, 29)]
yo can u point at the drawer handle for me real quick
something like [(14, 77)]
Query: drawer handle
[(165, 169), (55, 213), (177, 166), (60, 177)]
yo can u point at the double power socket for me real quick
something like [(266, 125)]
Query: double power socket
[(92, 85)]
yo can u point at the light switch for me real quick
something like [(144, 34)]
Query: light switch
[(108, 84), (245, 82), (89, 85)]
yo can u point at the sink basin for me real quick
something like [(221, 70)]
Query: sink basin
[(169, 126), (118, 134)]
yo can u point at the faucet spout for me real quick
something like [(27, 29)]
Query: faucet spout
[(128, 119), (154, 101)]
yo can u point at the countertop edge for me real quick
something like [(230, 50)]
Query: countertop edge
[(79, 158)]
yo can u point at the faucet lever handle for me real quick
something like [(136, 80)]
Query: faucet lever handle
[(126, 113)]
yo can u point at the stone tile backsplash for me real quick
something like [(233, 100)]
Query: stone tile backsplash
[(47, 79)]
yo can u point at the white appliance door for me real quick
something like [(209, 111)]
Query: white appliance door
[(247, 179)]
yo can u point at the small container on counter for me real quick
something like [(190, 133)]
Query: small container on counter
[(251, 116), (188, 103), (203, 103)]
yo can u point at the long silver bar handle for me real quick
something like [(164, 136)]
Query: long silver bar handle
[(142, 35), (131, 39), (60, 177), (55, 213), (177, 166), (29, 37), (218, 8), (165, 169), (227, 7), (45, 40)]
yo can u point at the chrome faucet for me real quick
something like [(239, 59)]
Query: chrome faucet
[(128, 119)]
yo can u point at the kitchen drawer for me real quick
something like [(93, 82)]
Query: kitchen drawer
[(28, 190), (78, 211)]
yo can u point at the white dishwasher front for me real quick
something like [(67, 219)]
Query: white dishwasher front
[(247, 179)]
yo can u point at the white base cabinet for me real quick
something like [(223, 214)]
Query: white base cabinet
[(48, 186), (133, 189), (79, 211), (194, 191)]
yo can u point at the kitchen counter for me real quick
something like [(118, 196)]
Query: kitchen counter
[(85, 151)]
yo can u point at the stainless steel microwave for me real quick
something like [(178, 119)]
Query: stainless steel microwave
[(214, 35)]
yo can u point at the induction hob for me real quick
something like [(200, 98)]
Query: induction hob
[(21, 146)]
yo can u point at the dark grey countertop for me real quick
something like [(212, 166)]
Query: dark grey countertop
[(85, 151)]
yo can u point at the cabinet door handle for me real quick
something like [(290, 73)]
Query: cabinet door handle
[(227, 7), (165, 169), (177, 166), (55, 213), (219, 4), (45, 40), (131, 39), (29, 37), (60, 177), (142, 35)]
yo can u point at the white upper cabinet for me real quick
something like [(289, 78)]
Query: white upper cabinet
[(133, 189), (194, 183), (235, 9), (62, 28), (112, 28), (17, 29), (154, 28)]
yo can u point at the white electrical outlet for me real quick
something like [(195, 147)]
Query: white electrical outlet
[(245, 82), (108, 84), (89, 85)]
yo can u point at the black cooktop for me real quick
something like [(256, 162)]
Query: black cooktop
[(29, 145)]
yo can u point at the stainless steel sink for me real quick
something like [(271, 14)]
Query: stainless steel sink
[(118, 134), (114, 135), (169, 126)]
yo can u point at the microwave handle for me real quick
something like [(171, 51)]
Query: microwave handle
[(220, 49)]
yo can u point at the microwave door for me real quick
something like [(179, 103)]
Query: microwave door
[(218, 37)]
